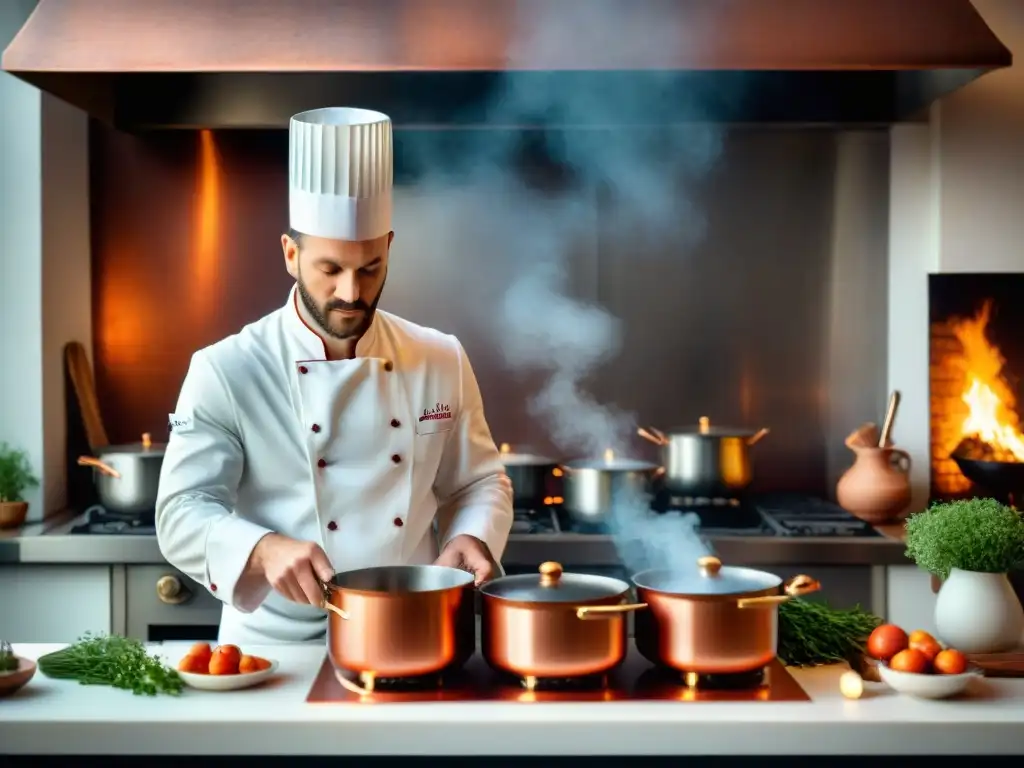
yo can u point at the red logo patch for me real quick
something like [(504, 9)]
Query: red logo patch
[(438, 412)]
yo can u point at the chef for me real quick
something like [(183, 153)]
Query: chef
[(328, 435)]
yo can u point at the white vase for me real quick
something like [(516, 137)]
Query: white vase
[(978, 613)]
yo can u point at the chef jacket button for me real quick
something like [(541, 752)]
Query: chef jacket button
[(396, 423), (315, 427), (396, 458), (213, 587), (303, 369), (398, 522), (332, 526), (322, 463), (388, 366)]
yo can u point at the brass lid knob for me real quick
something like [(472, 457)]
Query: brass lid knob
[(550, 573), (709, 566)]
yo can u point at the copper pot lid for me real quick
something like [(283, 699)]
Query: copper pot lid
[(709, 577), (553, 585)]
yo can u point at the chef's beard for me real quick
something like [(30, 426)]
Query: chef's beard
[(340, 327)]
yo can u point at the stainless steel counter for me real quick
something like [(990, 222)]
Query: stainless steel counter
[(52, 543)]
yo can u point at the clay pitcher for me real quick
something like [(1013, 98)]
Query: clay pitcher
[(876, 488)]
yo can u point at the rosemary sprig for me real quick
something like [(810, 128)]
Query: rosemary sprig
[(812, 633), (111, 660)]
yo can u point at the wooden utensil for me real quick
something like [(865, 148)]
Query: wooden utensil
[(890, 416), (999, 664), (85, 392)]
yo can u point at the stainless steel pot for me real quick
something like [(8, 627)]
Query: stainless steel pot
[(594, 487), (705, 461), (537, 627), (399, 621), (710, 618), (127, 477), (531, 476)]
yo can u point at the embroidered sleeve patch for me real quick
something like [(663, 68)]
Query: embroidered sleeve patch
[(179, 422)]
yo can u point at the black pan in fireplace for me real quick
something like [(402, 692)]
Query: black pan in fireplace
[(1003, 478)]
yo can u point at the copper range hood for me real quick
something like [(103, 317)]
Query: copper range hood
[(142, 64)]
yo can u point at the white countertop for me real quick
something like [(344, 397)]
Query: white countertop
[(54, 717)]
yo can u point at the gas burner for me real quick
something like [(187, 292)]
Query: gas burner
[(696, 502), (714, 514), (100, 522), (371, 683), (541, 520), (729, 681), (553, 684)]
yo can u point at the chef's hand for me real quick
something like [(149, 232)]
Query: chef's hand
[(468, 553), (292, 567)]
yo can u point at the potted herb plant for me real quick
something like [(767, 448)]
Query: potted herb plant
[(15, 478), (971, 545)]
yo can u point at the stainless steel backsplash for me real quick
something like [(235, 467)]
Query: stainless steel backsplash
[(774, 315)]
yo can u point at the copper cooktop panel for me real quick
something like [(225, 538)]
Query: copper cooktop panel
[(635, 680)]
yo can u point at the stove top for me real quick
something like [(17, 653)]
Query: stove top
[(634, 680), (99, 522), (784, 515)]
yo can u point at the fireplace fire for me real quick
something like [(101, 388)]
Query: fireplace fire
[(976, 354)]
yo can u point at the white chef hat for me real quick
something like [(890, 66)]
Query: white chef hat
[(340, 173)]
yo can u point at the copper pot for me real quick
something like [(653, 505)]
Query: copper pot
[(555, 624), (712, 619), (400, 621)]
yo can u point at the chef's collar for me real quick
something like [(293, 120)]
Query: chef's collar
[(311, 344)]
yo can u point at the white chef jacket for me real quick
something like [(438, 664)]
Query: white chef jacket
[(357, 455)]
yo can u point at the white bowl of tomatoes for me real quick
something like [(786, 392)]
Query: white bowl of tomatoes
[(917, 664)]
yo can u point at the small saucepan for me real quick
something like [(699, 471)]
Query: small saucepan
[(127, 477), (593, 487), (712, 619), (531, 476), (705, 461), (554, 625), (399, 621)]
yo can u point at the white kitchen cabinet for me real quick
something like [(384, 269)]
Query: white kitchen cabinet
[(911, 602), (54, 603)]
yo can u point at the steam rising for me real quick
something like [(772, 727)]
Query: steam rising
[(638, 176), (649, 540)]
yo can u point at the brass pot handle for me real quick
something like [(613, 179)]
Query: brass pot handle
[(798, 585), (650, 436), (592, 612), (99, 466), (326, 603), (758, 436)]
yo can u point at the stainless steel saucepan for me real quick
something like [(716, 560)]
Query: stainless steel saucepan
[(594, 486), (127, 477), (705, 461), (532, 475)]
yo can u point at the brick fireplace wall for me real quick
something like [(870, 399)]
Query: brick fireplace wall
[(947, 410)]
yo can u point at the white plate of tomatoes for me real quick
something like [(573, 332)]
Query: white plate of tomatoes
[(223, 668), (918, 665)]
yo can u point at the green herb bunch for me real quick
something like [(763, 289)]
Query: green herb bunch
[(15, 474), (8, 661), (112, 660), (978, 535), (812, 633)]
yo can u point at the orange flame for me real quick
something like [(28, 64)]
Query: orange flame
[(992, 405)]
